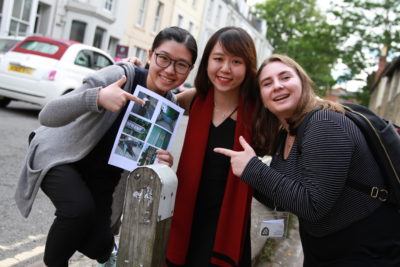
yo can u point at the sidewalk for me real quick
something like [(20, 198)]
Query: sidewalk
[(288, 253)]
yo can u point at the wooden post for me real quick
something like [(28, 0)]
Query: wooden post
[(149, 202)]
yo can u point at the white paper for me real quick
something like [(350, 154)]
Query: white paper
[(272, 228), (145, 129)]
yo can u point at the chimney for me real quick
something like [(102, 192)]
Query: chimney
[(382, 62)]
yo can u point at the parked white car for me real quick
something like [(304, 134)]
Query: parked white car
[(39, 69)]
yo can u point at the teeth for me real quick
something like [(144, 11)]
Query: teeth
[(166, 79), (223, 78), (280, 97)]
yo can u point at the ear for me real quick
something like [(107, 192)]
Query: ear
[(149, 53)]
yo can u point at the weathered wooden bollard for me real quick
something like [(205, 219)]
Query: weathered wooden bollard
[(149, 203)]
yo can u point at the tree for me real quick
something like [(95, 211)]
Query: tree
[(298, 29), (366, 28)]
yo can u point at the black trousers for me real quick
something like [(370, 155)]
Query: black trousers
[(82, 198)]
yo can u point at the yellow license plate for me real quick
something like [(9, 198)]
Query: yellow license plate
[(20, 69)]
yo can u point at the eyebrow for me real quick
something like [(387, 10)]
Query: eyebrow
[(279, 74)]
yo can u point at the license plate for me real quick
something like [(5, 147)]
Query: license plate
[(20, 69)]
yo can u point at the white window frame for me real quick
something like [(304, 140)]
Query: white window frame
[(179, 21), (158, 16), (109, 5), (191, 27), (210, 10), (19, 20), (139, 53), (141, 13)]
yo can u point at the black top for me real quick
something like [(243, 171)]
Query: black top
[(210, 196)]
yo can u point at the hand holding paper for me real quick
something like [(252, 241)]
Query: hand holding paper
[(113, 97), (164, 157), (239, 159)]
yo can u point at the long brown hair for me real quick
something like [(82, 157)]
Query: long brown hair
[(238, 42), (267, 127)]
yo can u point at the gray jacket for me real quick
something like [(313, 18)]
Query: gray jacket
[(73, 125)]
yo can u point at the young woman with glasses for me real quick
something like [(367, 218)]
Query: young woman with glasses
[(68, 155)]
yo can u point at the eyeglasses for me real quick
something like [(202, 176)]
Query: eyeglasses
[(180, 66)]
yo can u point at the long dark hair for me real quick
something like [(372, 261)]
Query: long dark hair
[(267, 127), (179, 35), (238, 42)]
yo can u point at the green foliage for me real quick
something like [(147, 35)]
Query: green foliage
[(351, 32), (366, 27), (298, 29)]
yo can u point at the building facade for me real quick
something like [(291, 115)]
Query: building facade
[(97, 23), (221, 13), (385, 94), (127, 28)]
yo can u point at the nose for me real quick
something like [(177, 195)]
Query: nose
[(277, 84), (170, 68), (226, 66)]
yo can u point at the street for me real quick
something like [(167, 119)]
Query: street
[(22, 240)]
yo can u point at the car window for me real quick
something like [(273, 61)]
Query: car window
[(41, 47), (100, 61), (6, 45), (83, 59)]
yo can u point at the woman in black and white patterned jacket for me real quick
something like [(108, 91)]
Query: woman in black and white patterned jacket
[(339, 226)]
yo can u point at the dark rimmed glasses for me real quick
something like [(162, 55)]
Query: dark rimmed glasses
[(180, 66)]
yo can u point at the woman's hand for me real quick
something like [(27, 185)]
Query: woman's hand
[(164, 157), (113, 97), (239, 159), (134, 60)]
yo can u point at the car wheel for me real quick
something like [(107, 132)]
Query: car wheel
[(4, 101)]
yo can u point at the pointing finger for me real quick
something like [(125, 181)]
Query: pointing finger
[(225, 151), (131, 97), (121, 81)]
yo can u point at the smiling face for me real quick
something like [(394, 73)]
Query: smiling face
[(225, 71), (161, 80), (280, 88)]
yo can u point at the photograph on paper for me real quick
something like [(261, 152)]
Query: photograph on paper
[(145, 129)]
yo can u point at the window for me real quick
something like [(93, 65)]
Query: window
[(157, 18), (91, 59), (179, 23), (190, 29), (210, 9), (41, 47), (83, 59), (100, 61), (1, 10), (78, 29), (19, 23), (139, 53), (98, 37), (108, 5), (142, 9), (218, 17)]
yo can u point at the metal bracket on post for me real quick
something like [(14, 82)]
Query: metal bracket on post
[(149, 203)]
